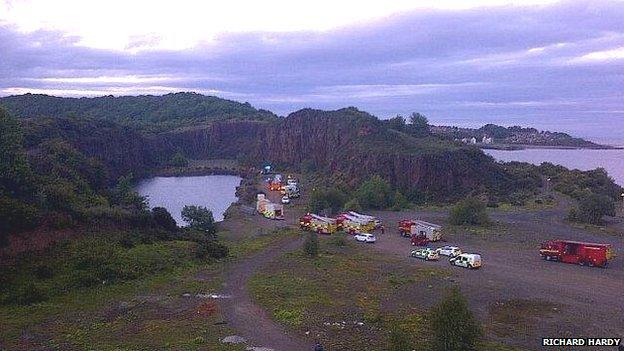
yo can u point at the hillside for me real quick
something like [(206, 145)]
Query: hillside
[(514, 136), (349, 146), (147, 112)]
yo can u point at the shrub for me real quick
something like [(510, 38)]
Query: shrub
[(44, 272), (311, 245), (200, 218), (353, 205), (469, 211), (329, 200), (375, 193), (400, 201), (453, 326), (211, 249), (163, 219), (592, 208)]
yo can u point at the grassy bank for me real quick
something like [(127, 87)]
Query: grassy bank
[(152, 300)]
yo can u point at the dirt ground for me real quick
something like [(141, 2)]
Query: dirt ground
[(586, 301), (519, 297)]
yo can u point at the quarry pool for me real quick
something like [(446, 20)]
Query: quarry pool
[(215, 192)]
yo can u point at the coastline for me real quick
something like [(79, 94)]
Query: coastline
[(516, 147)]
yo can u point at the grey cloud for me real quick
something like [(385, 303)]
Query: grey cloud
[(506, 64)]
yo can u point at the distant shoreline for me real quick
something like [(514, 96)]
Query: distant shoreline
[(516, 147)]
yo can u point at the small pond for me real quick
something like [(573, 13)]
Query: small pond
[(215, 192)]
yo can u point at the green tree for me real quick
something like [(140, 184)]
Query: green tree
[(592, 208), (163, 219), (396, 123), (15, 216), (453, 326), (125, 195), (469, 211), (353, 205), (400, 201), (419, 125), (375, 193), (200, 218), (329, 200), (311, 245)]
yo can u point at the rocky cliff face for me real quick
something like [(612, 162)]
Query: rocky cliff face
[(347, 144)]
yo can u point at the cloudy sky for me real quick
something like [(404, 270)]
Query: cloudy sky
[(555, 65)]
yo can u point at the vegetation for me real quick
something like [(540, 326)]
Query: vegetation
[(151, 113), (199, 218), (469, 211), (375, 193), (311, 245), (453, 326), (326, 200), (163, 219), (592, 208), (178, 160), (579, 184)]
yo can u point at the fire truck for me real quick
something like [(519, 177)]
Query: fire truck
[(374, 220), (411, 227), (319, 224), (352, 224), (577, 252)]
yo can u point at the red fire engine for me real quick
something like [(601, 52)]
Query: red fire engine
[(582, 253)]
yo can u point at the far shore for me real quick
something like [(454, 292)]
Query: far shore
[(515, 147)]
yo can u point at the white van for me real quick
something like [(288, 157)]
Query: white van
[(466, 261), (365, 237)]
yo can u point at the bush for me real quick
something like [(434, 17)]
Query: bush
[(353, 205), (453, 326), (311, 245), (592, 208), (400, 201), (211, 249), (200, 218), (375, 193), (469, 211), (329, 200), (163, 219)]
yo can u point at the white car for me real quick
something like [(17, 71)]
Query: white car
[(472, 261), (365, 237), (450, 251), (285, 199)]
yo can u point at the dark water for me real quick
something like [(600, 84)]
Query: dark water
[(611, 160), (215, 192)]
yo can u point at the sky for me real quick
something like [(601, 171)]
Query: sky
[(556, 65)]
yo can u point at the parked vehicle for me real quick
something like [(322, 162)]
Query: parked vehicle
[(451, 251), (365, 237), (268, 209), (472, 261), (426, 254), (290, 190), (353, 224), (409, 228), (319, 224), (583, 253), (285, 200), (419, 240), (375, 221)]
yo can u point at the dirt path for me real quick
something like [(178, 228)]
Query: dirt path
[(250, 320)]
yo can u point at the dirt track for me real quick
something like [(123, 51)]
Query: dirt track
[(247, 318)]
